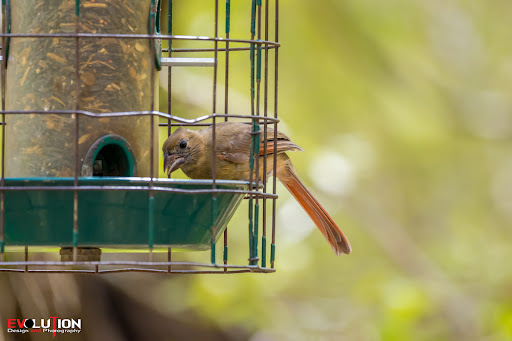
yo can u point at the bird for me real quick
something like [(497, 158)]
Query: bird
[(191, 151)]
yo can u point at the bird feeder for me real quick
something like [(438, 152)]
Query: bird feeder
[(99, 75), (80, 126)]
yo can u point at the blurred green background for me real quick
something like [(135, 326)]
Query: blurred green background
[(403, 110)]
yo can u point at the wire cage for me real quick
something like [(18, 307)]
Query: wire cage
[(90, 184)]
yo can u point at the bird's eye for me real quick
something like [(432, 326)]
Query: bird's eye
[(183, 144)]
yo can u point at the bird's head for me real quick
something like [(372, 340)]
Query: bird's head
[(181, 149)]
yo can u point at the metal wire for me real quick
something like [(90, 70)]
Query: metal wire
[(138, 113), (226, 105), (139, 189), (151, 198), (265, 139), (2, 181), (256, 127), (135, 36), (214, 156), (252, 156), (177, 50), (138, 263), (77, 130), (274, 182), (225, 268), (169, 69)]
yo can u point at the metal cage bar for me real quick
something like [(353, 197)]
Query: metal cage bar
[(2, 181), (77, 130), (214, 109), (226, 105), (274, 183), (265, 138)]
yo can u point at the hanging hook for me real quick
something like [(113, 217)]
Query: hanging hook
[(7, 5), (154, 29)]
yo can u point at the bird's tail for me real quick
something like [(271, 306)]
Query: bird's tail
[(317, 213)]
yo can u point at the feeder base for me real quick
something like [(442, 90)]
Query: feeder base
[(84, 254)]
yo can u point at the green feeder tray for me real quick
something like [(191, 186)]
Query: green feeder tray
[(43, 216)]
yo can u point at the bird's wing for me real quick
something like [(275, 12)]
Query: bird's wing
[(234, 157), (283, 143), (233, 142)]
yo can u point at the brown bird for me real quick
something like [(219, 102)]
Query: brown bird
[(191, 150)]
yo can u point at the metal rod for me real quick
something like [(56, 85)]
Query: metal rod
[(77, 130), (251, 160), (177, 50), (226, 104), (133, 36), (265, 141), (257, 140), (181, 272), (169, 70), (26, 257), (225, 247), (188, 61), (169, 259), (138, 113), (138, 188), (2, 180), (137, 263), (214, 109), (151, 199), (226, 72), (274, 183)]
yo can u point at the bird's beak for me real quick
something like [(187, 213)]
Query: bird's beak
[(173, 162)]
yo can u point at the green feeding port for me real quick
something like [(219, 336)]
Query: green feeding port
[(115, 212), (110, 155)]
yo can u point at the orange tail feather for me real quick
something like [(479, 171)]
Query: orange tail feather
[(316, 212)]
